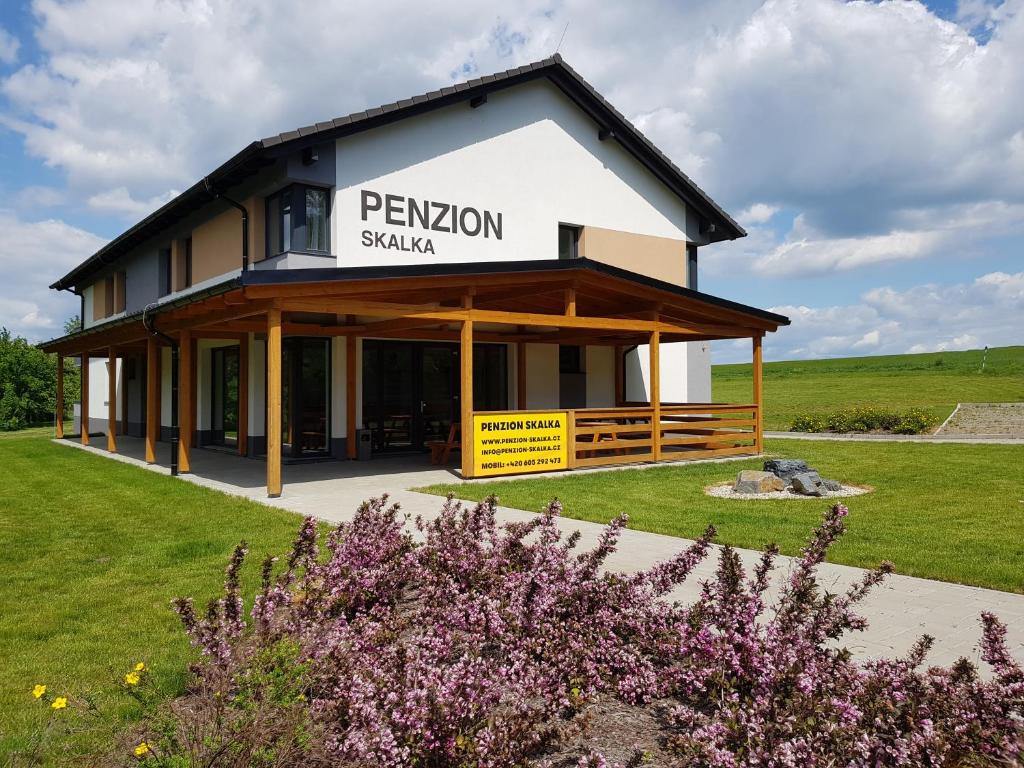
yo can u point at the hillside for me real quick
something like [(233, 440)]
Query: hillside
[(935, 381)]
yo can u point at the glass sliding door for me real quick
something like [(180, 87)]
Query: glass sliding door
[(224, 396), (305, 397)]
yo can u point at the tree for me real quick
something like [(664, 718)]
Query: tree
[(72, 324), (28, 383)]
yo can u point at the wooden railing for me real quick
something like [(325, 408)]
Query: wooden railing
[(625, 435)]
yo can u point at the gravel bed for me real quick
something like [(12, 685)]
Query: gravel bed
[(1004, 419), (725, 491)]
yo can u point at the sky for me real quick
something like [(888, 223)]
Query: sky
[(874, 151)]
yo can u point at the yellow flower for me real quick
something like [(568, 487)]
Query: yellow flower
[(59, 703), (38, 691), (140, 666), (142, 749), (132, 678)]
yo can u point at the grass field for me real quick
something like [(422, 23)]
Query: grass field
[(940, 511), (934, 381), (93, 551)]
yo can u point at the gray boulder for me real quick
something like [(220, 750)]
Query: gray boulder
[(752, 481), (808, 483), (786, 468), (832, 485)]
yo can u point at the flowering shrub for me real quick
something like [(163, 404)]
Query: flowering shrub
[(488, 645), (913, 421)]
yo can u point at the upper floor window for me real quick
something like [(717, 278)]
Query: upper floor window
[(298, 220), (691, 267), (568, 241), (120, 286), (166, 274)]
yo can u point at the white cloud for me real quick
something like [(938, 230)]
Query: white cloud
[(9, 46), (758, 213), (32, 255), (924, 318), (119, 200)]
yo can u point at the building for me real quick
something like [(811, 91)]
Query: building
[(508, 255)]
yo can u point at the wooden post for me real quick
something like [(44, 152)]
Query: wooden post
[(570, 437), (85, 398), (59, 405), (570, 302), (758, 398), (466, 390), (655, 366), (243, 395), (112, 400), (273, 403), (620, 380), (152, 398), (351, 449), (521, 375), (186, 423)]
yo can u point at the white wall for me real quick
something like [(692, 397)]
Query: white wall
[(528, 153), (99, 382), (600, 368), (685, 372), (542, 376)]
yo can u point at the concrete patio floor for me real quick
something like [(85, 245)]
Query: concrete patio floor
[(898, 612)]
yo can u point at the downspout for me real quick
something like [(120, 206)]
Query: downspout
[(245, 219), (148, 324)]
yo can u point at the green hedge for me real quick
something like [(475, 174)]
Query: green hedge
[(913, 421)]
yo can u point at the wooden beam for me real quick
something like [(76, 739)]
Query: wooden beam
[(274, 403), (758, 396), (466, 390), (655, 343), (186, 422), (349, 288), (521, 375), (112, 400), (59, 405), (351, 449), (152, 398), (243, 395), (84, 408)]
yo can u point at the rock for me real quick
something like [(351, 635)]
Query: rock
[(808, 483), (752, 481), (832, 485), (786, 468)]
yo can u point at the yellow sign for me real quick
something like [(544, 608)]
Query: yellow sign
[(510, 443)]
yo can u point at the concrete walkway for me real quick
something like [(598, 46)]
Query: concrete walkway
[(871, 438), (898, 612)]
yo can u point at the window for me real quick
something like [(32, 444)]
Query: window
[(691, 267), (164, 259), (568, 241), (298, 220), (188, 262), (570, 359)]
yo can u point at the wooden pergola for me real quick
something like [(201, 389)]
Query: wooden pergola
[(577, 302)]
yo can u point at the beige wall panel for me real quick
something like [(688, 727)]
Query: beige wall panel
[(257, 228), (217, 246), (662, 258), (99, 299)]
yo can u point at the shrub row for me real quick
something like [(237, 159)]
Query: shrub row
[(913, 421), (487, 645)]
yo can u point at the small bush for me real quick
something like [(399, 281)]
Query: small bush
[(913, 421), (490, 645)]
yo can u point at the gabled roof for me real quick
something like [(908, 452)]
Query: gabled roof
[(610, 123)]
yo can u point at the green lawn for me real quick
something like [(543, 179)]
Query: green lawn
[(934, 381), (940, 511), (93, 551)]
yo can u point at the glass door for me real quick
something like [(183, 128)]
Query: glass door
[(224, 396), (305, 396), (439, 391), (389, 394)]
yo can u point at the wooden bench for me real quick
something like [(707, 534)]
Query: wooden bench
[(441, 450)]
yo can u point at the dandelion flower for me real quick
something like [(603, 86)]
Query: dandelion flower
[(142, 749), (38, 691), (59, 703), (140, 666), (132, 678)]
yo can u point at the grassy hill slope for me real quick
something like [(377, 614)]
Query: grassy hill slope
[(935, 381)]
